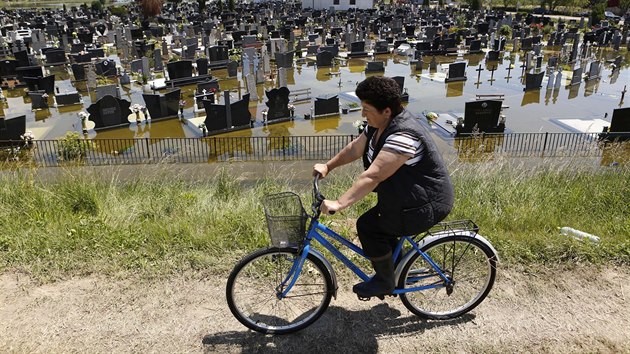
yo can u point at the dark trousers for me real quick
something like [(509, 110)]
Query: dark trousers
[(374, 241)]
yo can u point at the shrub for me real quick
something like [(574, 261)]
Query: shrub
[(72, 147)]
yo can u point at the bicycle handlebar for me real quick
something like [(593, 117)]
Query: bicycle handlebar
[(318, 197)]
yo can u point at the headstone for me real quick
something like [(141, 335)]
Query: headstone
[(11, 130), (105, 67), (162, 106), (39, 99), (594, 71), (179, 69), (374, 66), (232, 69), (67, 99), (109, 111), (277, 103), (157, 60), (620, 122), (326, 105), (282, 77), (576, 79), (456, 72), (78, 71), (481, 116), (324, 59), (251, 87), (202, 66), (107, 90), (533, 81)]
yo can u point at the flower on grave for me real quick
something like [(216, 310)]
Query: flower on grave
[(45, 95), (136, 107), (202, 126), (432, 115), (290, 107), (83, 115), (28, 136)]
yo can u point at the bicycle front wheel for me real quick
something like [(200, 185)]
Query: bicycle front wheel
[(254, 288), (467, 262)]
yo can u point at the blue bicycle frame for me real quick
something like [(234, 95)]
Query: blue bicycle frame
[(314, 234)]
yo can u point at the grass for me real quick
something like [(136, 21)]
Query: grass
[(159, 224)]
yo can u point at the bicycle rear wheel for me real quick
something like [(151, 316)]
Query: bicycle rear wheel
[(253, 295), (468, 262)]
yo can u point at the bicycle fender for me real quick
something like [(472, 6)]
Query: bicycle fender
[(427, 240), (329, 267)]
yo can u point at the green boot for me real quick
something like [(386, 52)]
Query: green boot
[(382, 283)]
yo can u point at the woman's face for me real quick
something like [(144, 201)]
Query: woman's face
[(375, 118)]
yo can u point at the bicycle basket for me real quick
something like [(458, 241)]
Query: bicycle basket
[(286, 218)]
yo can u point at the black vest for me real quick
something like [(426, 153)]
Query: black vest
[(416, 197)]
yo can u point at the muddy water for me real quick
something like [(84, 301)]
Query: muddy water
[(532, 111)]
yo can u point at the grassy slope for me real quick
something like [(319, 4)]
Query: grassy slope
[(159, 224)]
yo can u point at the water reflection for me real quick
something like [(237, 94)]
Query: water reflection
[(531, 96)]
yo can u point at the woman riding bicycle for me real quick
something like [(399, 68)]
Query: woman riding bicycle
[(403, 166)]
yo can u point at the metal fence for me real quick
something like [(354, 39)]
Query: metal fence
[(288, 148)]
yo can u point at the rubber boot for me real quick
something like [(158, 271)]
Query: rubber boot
[(382, 283)]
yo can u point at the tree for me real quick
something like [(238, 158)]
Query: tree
[(475, 4), (231, 5), (202, 5), (597, 14), (220, 5), (624, 6), (151, 8)]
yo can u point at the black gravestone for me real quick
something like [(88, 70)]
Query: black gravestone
[(400, 80), (475, 46), (493, 55), (8, 68), (29, 71), (46, 83), (11, 129), (179, 69), (456, 72), (78, 71), (620, 120), (163, 106), (284, 60), (576, 79), (109, 111), (241, 116), (106, 68), (482, 116), (66, 99), (202, 66), (278, 100), (381, 47), (39, 99), (533, 81), (22, 58), (96, 52), (374, 66), (324, 58), (232, 69), (55, 56), (357, 47), (326, 105), (208, 85), (215, 116)]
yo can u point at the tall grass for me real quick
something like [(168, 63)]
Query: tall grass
[(157, 224)]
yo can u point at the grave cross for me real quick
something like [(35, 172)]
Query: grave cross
[(509, 69), (492, 79), (524, 67), (479, 70)]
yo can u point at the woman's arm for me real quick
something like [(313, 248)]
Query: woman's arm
[(385, 165), (349, 153)]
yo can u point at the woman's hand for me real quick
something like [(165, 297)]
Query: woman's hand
[(321, 169), (329, 206)]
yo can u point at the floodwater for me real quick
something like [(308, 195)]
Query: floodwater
[(540, 110)]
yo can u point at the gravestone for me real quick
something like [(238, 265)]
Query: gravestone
[(232, 69), (109, 112), (228, 115), (576, 79), (162, 106), (533, 81), (277, 103), (11, 129), (326, 105), (324, 59), (105, 68), (475, 46), (157, 60), (493, 55), (78, 71), (251, 87), (400, 80), (594, 71), (29, 71), (45, 83), (620, 122), (67, 99), (107, 90), (456, 72), (381, 47), (284, 60), (125, 79), (374, 66), (39, 99), (179, 69), (55, 56), (481, 116), (282, 77), (202, 66)]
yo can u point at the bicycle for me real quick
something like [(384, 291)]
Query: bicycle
[(441, 274)]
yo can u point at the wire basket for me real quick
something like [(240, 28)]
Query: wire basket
[(286, 219)]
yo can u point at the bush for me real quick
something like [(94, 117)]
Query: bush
[(119, 11), (96, 5), (72, 147), (506, 31)]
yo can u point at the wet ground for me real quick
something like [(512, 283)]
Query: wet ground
[(541, 110)]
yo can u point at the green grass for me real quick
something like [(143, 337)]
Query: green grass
[(158, 224)]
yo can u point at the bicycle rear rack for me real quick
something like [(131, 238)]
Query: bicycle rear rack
[(449, 228)]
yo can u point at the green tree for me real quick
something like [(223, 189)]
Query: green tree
[(220, 5), (597, 14), (231, 5), (425, 3), (624, 6), (475, 4)]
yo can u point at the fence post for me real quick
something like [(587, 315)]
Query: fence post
[(146, 140), (544, 144)]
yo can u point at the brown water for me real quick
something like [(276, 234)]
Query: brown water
[(532, 111)]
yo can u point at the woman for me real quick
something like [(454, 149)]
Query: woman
[(403, 166)]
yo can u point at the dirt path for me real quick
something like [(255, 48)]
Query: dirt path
[(584, 310)]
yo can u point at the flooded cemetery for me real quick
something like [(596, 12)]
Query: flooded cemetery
[(277, 81)]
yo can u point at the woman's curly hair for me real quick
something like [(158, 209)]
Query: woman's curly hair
[(380, 92)]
